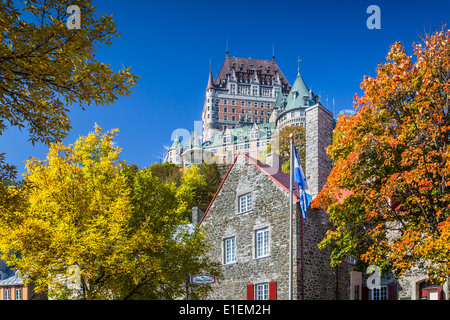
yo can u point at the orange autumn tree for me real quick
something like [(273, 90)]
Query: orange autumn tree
[(388, 192)]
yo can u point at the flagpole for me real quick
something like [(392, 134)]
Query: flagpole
[(291, 174)]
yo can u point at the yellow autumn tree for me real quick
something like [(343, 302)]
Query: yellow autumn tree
[(80, 229), (75, 211)]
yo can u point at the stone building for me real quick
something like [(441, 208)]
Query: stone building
[(13, 288), (243, 93), (247, 224), (245, 106)]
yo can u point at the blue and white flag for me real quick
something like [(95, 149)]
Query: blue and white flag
[(303, 191)]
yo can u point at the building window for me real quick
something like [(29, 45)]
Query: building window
[(262, 291), (262, 243), (18, 294), (229, 249), (233, 103), (225, 117), (7, 294), (224, 101), (233, 110), (245, 202), (380, 293), (233, 118)]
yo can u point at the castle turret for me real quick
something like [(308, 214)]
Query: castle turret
[(209, 112)]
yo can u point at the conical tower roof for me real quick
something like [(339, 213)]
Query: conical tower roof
[(176, 143), (299, 91), (210, 81)]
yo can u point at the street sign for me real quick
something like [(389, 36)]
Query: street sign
[(203, 279)]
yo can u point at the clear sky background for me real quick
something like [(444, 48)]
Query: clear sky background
[(170, 44)]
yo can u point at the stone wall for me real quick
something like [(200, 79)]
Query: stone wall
[(270, 208), (319, 130)]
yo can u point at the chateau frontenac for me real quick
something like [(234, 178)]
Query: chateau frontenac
[(247, 101)]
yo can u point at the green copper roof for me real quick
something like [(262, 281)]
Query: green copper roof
[(176, 143), (193, 141), (297, 95)]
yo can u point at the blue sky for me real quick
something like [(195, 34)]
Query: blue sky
[(170, 44)]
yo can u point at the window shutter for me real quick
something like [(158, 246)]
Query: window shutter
[(249, 292), (392, 291), (273, 290), (364, 293)]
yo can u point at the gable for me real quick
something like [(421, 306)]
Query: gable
[(252, 172)]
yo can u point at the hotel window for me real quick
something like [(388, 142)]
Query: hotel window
[(245, 203), (256, 104), (262, 243), (262, 112), (225, 109), (233, 110), (262, 105), (233, 102), (229, 250), (243, 111), (18, 293), (249, 119), (225, 117), (268, 105), (256, 112), (262, 291), (380, 293), (7, 294), (224, 101), (242, 103), (249, 104), (233, 118)]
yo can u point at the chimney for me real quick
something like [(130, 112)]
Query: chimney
[(275, 161), (319, 130), (197, 215)]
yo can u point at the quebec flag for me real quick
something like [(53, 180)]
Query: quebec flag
[(303, 191)]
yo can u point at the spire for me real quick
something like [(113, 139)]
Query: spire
[(210, 79), (227, 48), (299, 65), (273, 52)]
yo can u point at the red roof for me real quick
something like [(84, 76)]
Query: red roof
[(281, 178)]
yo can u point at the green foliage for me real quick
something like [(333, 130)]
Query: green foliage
[(85, 220)]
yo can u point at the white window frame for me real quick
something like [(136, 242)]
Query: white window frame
[(7, 294), (18, 294), (262, 243), (229, 250), (245, 202), (379, 293), (262, 291)]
